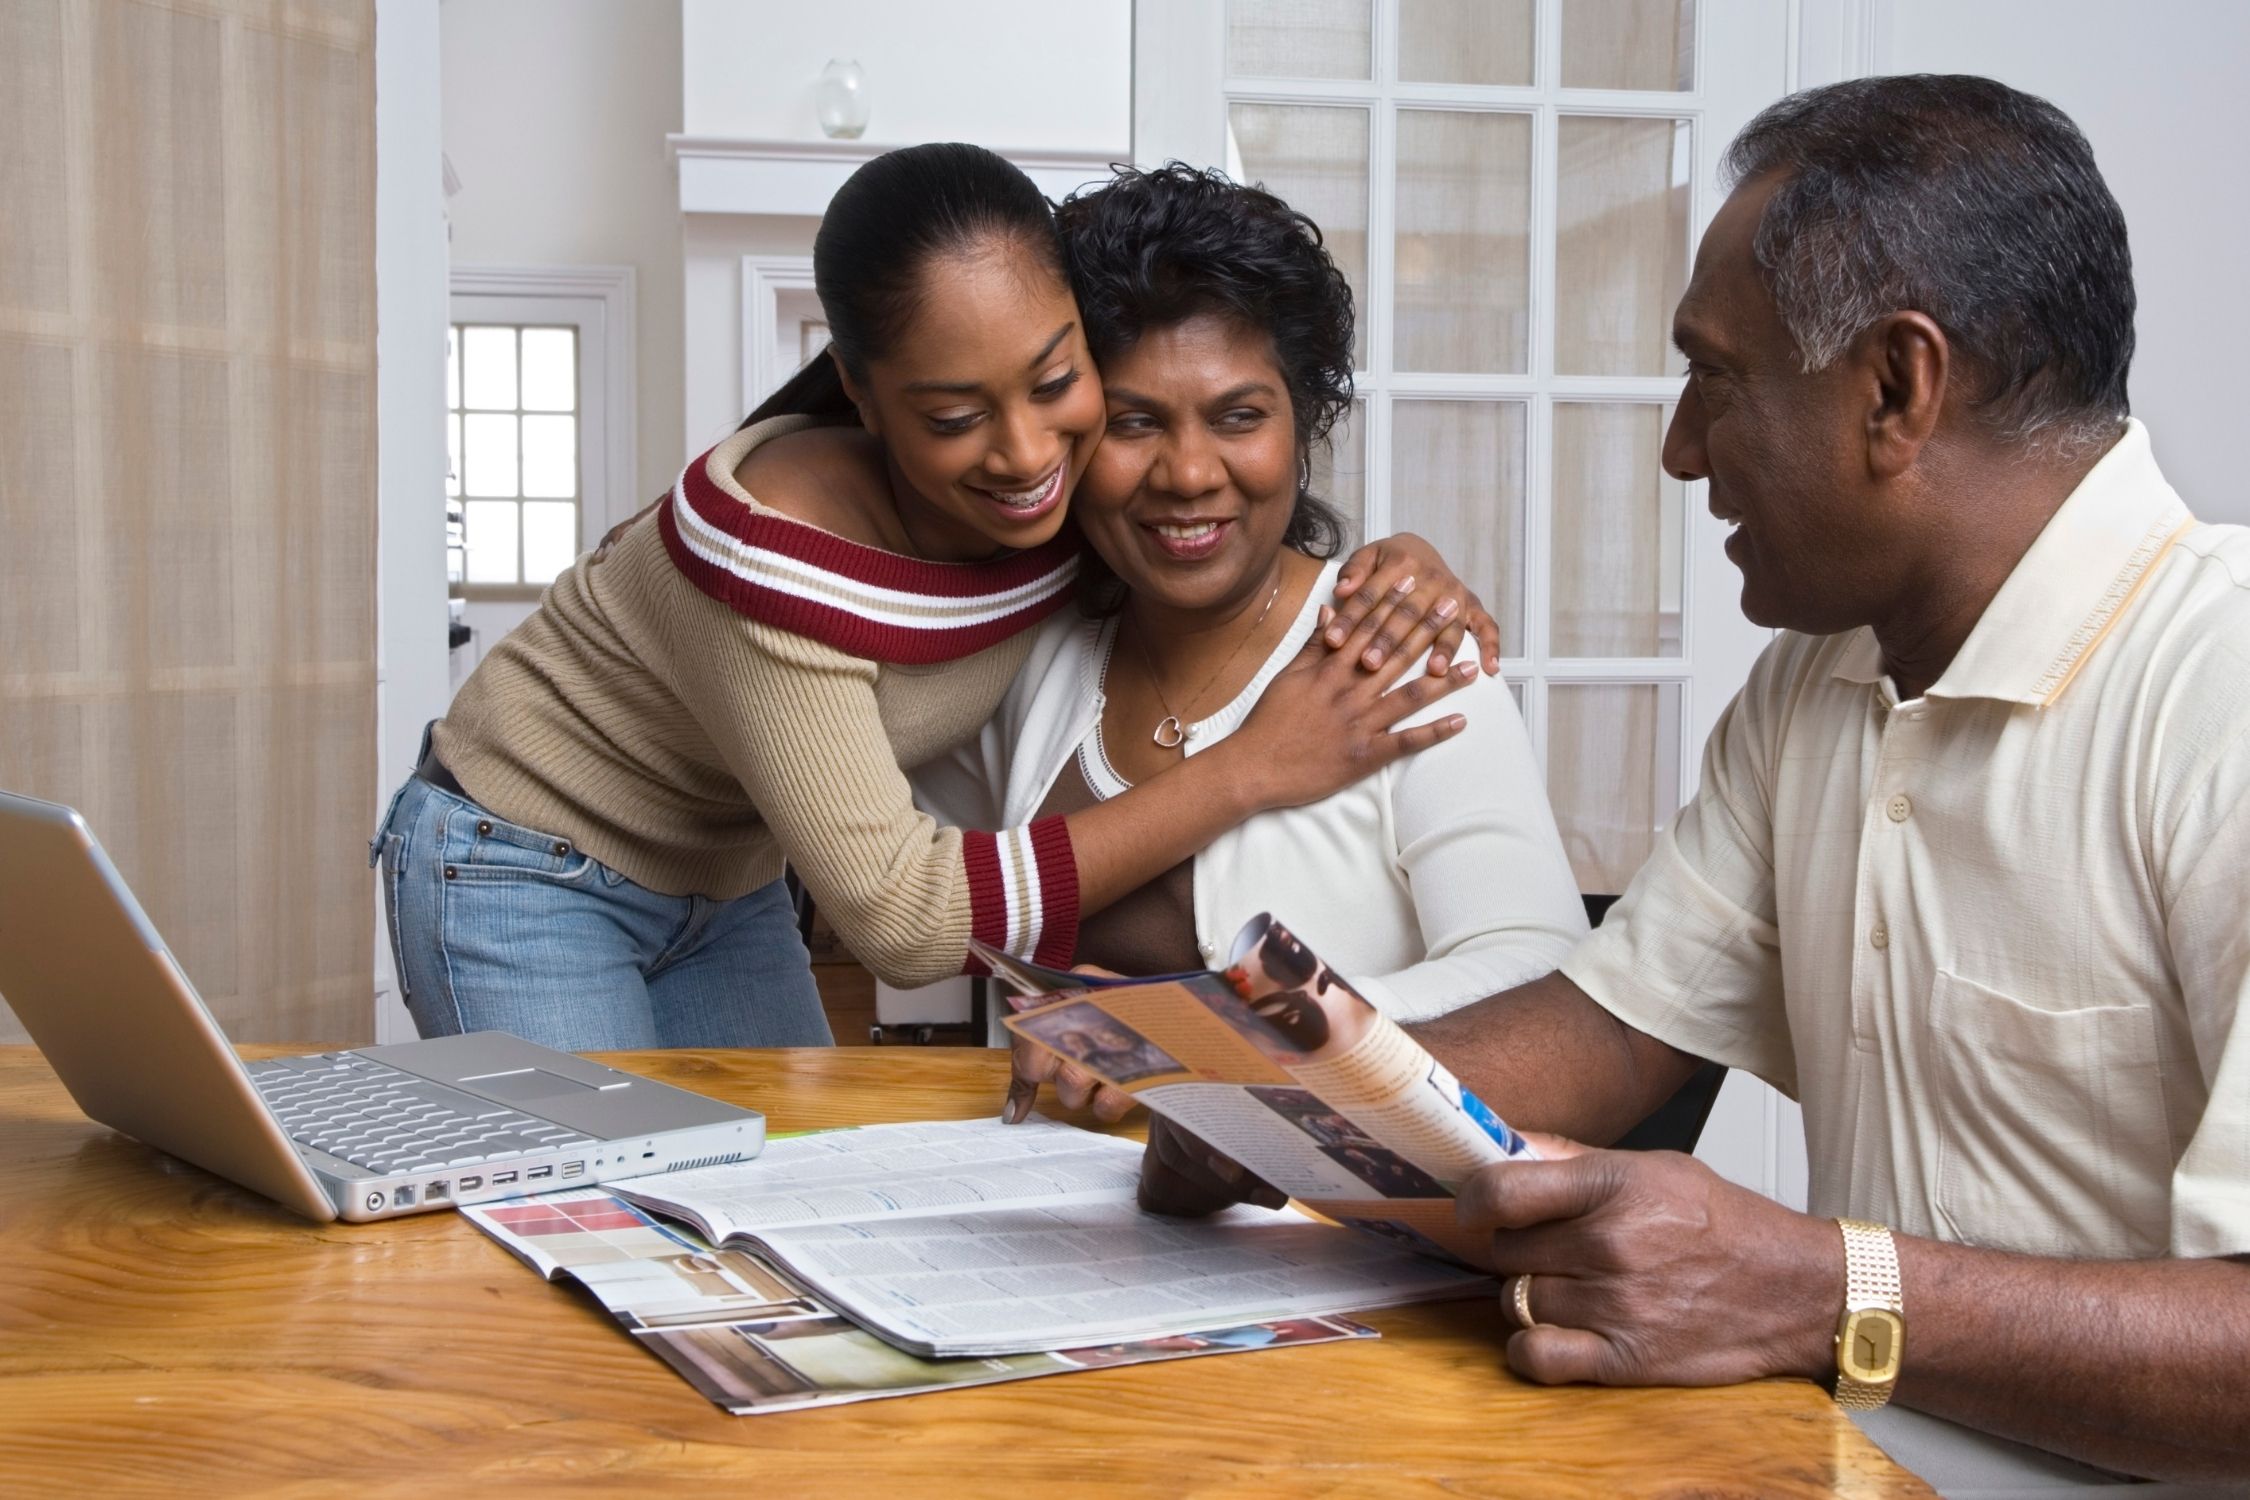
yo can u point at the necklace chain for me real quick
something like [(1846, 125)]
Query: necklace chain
[(1170, 732)]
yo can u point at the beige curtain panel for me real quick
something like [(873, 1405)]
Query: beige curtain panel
[(187, 475)]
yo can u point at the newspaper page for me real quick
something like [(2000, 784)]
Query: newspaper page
[(753, 1340), (1282, 1065), (973, 1238)]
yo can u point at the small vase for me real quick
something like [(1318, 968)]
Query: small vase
[(841, 99)]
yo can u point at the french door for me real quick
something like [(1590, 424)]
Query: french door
[(1514, 189)]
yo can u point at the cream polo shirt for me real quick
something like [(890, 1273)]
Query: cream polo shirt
[(1996, 940)]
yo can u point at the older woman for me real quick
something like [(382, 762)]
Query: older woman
[(1224, 333)]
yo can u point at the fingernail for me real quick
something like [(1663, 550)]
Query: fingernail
[(1270, 1198), (1466, 670), (1447, 609), (1404, 585), (1224, 1170), (1373, 656), (1336, 636), (1456, 724)]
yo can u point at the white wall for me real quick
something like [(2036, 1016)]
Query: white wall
[(410, 313), (555, 118), (1003, 73), (2159, 91), (1023, 75)]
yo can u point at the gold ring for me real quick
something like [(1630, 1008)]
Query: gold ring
[(1520, 1295)]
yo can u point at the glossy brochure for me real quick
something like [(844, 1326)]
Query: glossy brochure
[(1279, 1063)]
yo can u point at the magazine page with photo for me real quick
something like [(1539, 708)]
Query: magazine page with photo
[(750, 1338), (969, 1237), (1279, 1063)]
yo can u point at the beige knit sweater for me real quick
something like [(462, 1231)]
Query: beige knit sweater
[(727, 688)]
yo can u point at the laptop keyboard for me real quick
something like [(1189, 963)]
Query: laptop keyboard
[(385, 1120)]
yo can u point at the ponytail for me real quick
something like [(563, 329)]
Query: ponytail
[(817, 390)]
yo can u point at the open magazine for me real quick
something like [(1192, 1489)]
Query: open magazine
[(971, 1237), (753, 1339), (1282, 1065)]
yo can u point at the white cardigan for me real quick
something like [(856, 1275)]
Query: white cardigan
[(1436, 881)]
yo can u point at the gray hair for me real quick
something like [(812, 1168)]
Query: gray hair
[(1969, 201)]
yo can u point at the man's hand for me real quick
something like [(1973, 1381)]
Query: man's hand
[(1648, 1268), (1183, 1177), (1031, 1065)]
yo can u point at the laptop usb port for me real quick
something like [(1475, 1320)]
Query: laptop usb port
[(533, 1174), (574, 1169), (502, 1179), (471, 1184)]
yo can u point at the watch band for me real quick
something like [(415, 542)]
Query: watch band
[(1871, 1294)]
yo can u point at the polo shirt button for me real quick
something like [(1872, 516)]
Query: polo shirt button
[(1901, 808), (1880, 937), (1208, 952)]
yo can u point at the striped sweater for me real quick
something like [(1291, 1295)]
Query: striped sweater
[(726, 688)]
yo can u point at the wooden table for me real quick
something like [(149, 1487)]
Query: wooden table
[(163, 1330)]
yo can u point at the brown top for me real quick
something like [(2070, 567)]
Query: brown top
[(725, 687), (1150, 930)]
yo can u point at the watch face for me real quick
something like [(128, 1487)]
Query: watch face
[(1867, 1350)]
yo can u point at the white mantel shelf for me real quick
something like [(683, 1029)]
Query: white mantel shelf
[(730, 175)]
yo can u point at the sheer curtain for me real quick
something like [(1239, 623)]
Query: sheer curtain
[(187, 475)]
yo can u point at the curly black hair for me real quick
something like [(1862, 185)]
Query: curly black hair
[(1151, 249)]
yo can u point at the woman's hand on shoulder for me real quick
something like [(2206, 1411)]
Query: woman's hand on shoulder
[(1397, 582), (1325, 721)]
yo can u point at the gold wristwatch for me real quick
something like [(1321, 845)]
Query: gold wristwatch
[(1871, 1335)]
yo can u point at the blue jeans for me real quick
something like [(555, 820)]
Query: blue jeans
[(498, 927)]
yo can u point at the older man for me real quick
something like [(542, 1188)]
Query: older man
[(1966, 874)]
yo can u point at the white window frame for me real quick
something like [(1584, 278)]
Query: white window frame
[(1180, 110), (764, 279), (598, 302)]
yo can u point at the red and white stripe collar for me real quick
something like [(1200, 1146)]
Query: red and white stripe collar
[(882, 606)]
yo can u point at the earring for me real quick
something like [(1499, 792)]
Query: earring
[(1304, 475)]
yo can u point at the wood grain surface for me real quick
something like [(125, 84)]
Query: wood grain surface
[(164, 1331)]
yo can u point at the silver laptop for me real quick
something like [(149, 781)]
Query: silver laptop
[(363, 1134)]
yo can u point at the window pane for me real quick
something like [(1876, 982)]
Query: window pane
[(491, 459), (1315, 158), (1339, 471), (550, 457), (1628, 44), (1464, 41), (453, 453), (488, 368), (1619, 519), (1299, 38), (550, 539), (453, 366), (1464, 210), (492, 541), (550, 369), (1621, 203), (1457, 477), (1613, 773)]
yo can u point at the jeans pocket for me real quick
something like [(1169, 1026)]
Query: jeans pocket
[(478, 846), (391, 849), (375, 845)]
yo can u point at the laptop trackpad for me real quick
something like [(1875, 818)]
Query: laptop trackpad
[(531, 1086)]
